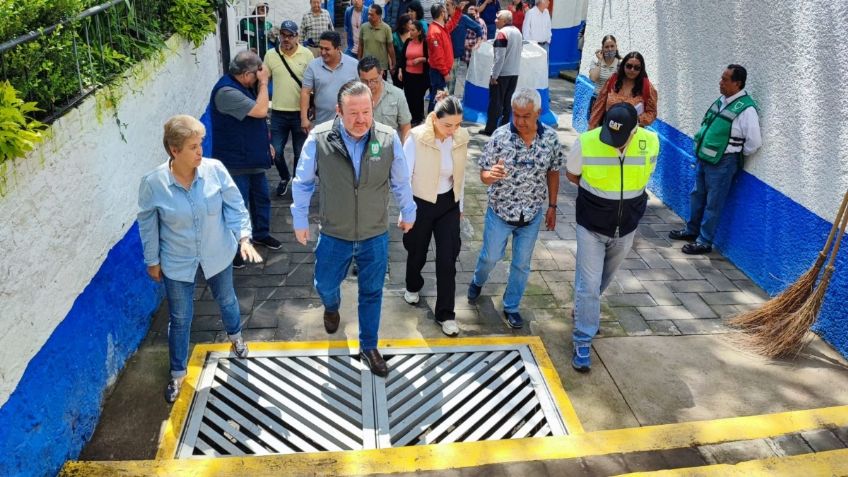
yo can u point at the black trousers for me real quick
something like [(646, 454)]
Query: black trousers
[(439, 220), (500, 102), (414, 87)]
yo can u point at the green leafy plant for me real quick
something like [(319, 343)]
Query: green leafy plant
[(193, 19), (19, 133)]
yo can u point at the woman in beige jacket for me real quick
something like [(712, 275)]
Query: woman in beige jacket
[(435, 152)]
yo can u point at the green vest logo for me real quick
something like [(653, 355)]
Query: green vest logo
[(643, 144)]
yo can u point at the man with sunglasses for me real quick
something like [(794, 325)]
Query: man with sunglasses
[(286, 66)]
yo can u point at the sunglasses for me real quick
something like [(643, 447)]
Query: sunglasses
[(631, 66)]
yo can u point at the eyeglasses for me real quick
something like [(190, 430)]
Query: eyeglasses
[(631, 66), (372, 82), (288, 35)]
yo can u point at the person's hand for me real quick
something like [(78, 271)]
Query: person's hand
[(550, 218), (493, 80), (302, 235), (305, 124), (419, 60), (462, 5), (262, 75), (599, 55), (400, 75), (406, 226), (447, 78), (498, 171), (273, 151), (155, 272), (249, 253)]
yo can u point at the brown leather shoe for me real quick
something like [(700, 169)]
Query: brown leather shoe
[(375, 362), (331, 321)]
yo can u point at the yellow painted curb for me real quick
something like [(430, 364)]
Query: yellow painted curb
[(830, 463)]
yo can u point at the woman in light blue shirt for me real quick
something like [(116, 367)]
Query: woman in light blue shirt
[(192, 214)]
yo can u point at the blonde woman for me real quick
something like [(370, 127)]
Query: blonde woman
[(192, 214), (435, 152)]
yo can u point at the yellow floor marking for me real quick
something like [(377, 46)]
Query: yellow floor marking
[(830, 463), (445, 456), (179, 412)]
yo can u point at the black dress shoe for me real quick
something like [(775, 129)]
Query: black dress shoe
[(331, 321), (696, 248), (375, 362), (682, 235)]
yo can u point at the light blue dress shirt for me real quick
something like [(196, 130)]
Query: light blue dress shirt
[(303, 185), (181, 229)]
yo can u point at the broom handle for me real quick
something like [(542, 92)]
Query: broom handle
[(839, 218), (842, 225)]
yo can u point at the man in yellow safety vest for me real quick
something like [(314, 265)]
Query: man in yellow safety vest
[(611, 166)]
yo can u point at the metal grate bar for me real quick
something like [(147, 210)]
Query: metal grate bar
[(461, 404), (289, 402)]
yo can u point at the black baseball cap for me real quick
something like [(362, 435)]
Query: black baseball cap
[(619, 121)]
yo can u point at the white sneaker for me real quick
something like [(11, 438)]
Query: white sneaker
[(411, 297), (449, 327)]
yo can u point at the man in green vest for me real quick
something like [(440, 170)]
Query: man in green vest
[(359, 161), (611, 166), (730, 129)]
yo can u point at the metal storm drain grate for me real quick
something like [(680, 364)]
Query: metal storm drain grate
[(277, 402)]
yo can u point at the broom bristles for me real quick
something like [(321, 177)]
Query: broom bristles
[(785, 335), (787, 302)]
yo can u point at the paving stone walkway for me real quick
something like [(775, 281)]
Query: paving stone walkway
[(663, 354)]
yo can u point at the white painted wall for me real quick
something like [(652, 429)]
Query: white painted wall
[(567, 14), (73, 198), (797, 66)]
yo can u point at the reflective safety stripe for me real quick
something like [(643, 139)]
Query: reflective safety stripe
[(612, 194), (614, 161), (708, 151)]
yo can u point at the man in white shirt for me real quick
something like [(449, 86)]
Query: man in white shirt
[(729, 130), (537, 24)]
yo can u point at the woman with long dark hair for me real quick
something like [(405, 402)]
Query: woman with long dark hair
[(400, 35), (414, 71), (629, 84)]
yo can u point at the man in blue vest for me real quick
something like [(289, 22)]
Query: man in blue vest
[(240, 139), (611, 166), (730, 129)]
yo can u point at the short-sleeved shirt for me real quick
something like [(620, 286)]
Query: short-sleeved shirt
[(524, 190), (286, 91), (234, 103), (376, 41), (311, 26), (392, 109), (326, 83), (604, 73)]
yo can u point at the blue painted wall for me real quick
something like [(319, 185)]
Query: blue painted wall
[(563, 54), (766, 234), (56, 405), (475, 105)]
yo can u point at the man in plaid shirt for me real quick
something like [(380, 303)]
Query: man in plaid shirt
[(314, 22)]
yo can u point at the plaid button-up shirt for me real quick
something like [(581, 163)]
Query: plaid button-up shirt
[(312, 26)]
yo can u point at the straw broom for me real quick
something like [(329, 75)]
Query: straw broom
[(759, 322), (783, 335)]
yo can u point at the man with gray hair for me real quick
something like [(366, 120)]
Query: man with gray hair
[(359, 161), (520, 164), (505, 68), (240, 140)]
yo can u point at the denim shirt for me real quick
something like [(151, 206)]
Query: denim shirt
[(181, 229)]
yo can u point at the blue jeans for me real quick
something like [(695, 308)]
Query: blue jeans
[(598, 258), (332, 260), (495, 234), (254, 191), (181, 309), (437, 82), (712, 184), (283, 124)]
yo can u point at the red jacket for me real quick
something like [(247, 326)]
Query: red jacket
[(440, 46)]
